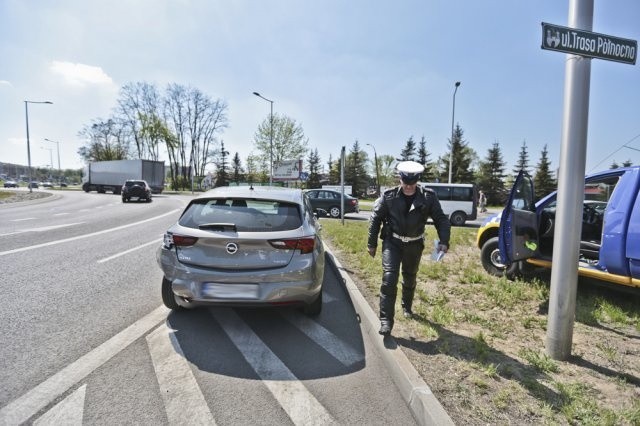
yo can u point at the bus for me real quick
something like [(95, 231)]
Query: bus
[(459, 201)]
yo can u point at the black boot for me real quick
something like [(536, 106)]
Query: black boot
[(385, 328)]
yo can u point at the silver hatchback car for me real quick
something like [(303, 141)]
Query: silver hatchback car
[(244, 246)]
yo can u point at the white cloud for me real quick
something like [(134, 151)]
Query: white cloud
[(5, 83), (81, 74)]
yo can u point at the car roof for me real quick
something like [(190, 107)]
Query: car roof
[(256, 192)]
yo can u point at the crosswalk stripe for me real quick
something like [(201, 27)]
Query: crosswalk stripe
[(326, 339), (301, 406), (20, 409), (68, 412), (183, 399)]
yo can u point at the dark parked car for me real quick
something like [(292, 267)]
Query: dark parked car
[(136, 189), (10, 184), (34, 184), (244, 246), (329, 201)]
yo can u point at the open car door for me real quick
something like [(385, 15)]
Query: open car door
[(518, 234)]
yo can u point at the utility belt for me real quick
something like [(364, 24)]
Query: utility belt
[(406, 239)]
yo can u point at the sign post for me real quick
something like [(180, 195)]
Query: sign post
[(581, 45)]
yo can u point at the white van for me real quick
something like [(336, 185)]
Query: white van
[(459, 200)]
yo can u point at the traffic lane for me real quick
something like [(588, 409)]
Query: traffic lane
[(41, 227), (323, 362), (64, 300)]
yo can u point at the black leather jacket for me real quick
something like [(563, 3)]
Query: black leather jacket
[(389, 211)]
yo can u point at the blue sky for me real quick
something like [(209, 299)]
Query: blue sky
[(374, 71)]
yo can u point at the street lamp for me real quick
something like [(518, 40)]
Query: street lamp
[(452, 117), (59, 170), (270, 137), (375, 156), (26, 114)]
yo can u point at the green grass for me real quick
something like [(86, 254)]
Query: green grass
[(457, 292)]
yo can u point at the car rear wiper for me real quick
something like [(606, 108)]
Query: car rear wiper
[(219, 226)]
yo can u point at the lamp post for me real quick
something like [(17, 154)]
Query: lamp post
[(375, 156), (59, 170), (453, 114), (270, 137), (26, 115)]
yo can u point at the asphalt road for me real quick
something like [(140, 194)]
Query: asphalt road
[(85, 338)]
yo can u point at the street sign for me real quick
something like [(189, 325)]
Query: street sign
[(287, 170), (586, 43), (304, 176)]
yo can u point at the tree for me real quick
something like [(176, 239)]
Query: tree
[(314, 169), (463, 156), (237, 168), (490, 178), (523, 160), (137, 102), (408, 153), (355, 169), (289, 141), (388, 175), (423, 158), (627, 163), (105, 141), (222, 176), (544, 181)]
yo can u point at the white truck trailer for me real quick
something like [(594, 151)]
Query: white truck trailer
[(103, 176)]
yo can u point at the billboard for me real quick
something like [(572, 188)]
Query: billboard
[(287, 170)]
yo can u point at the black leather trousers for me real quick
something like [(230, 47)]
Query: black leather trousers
[(394, 254)]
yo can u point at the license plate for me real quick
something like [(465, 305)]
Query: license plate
[(230, 291)]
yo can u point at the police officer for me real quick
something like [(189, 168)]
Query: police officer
[(402, 212)]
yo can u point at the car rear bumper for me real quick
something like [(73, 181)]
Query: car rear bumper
[(267, 287)]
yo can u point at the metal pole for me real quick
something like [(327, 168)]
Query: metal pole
[(270, 137), (375, 155), (26, 115), (453, 114), (342, 184), (271, 145), (26, 118), (564, 274)]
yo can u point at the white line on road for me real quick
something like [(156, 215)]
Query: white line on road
[(43, 229), (106, 259), (300, 404), (61, 214), (183, 399), (21, 409), (326, 339), (23, 219), (79, 237), (68, 412)]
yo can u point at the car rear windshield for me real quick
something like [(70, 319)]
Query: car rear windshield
[(131, 183), (246, 215)]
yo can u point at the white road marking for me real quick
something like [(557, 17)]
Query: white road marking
[(79, 237), (301, 406), (183, 399), (61, 214), (326, 339), (43, 229), (23, 219), (21, 409), (106, 259), (68, 412)]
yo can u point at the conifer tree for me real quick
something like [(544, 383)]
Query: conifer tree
[(237, 168), (523, 160), (423, 158), (463, 156), (491, 176), (408, 153), (544, 181), (314, 169)]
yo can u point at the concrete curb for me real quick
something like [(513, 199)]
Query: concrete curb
[(424, 406), (51, 197)]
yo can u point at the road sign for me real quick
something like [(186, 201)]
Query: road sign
[(287, 170), (586, 43), (304, 176)]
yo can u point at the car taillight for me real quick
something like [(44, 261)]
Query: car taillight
[(177, 240), (305, 245), (354, 202)]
